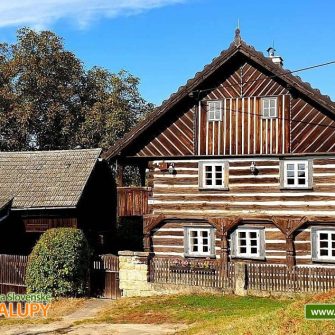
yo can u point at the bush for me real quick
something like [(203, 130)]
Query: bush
[(59, 263)]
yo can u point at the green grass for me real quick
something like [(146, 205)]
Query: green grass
[(197, 311), (225, 315)]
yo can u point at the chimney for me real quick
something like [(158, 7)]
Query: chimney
[(276, 59)]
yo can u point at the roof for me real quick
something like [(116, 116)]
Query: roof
[(4, 202), (237, 47), (45, 178)]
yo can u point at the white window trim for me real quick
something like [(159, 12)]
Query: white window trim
[(276, 107), (307, 174), (202, 179), (316, 244), (189, 252), (248, 254), (220, 110)]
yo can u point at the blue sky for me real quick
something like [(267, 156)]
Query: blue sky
[(165, 42)]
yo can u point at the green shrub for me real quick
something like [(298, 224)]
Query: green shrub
[(59, 263)]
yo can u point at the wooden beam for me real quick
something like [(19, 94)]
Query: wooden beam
[(151, 221), (289, 225), (119, 173)]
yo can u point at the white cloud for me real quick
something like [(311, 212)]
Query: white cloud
[(41, 13)]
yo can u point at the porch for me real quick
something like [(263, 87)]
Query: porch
[(133, 201)]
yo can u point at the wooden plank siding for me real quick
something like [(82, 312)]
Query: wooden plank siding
[(316, 131), (41, 224), (132, 201), (242, 129), (175, 140)]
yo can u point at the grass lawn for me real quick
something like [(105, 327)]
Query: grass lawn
[(226, 315)]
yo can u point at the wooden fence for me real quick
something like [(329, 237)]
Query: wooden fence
[(105, 277), (13, 273), (204, 273), (278, 278), (258, 277)]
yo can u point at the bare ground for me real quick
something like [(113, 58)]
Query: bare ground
[(89, 310)]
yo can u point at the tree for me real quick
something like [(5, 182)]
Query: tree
[(48, 100)]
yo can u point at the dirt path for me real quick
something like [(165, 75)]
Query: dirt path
[(89, 310)]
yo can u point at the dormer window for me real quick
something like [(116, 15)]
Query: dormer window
[(214, 110), (269, 108)]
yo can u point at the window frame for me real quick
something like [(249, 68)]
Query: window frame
[(260, 245), (202, 175), (315, 244), (308, 174), (214, 111), (188, 244), (263, 100)]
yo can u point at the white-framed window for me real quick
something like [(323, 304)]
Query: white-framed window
[(199, 242), (214, 110), (296, 174), (212, 174), (269, 108), (323, 244), (248, 243)]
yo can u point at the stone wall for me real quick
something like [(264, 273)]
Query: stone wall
[(134, 272)]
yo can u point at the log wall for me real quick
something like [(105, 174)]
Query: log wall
[(254, 198)]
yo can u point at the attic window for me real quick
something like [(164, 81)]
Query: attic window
[(269, 108), (214, 110)]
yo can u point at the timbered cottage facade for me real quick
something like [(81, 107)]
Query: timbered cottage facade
[(238, 165)]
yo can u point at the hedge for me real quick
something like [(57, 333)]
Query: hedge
[(59, 264)]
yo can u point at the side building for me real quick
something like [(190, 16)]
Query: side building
[(239, 165), (49, 189)]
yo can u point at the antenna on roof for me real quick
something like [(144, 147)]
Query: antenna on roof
[(237, 38)]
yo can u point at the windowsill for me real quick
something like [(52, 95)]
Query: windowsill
[(214, 120), (296, 188), (260, 258), (318, 260), (200, 256), (213, 188)]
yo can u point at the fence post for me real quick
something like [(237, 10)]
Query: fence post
[(240, 279), (134, 273)]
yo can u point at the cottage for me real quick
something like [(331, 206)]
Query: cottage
[(239, 164), (47, 189)]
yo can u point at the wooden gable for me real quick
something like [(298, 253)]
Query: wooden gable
[(239, 78), (242, 130)]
